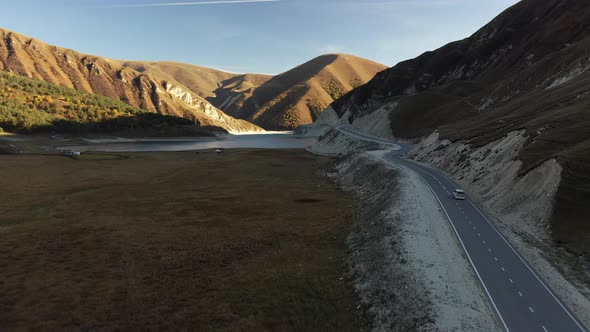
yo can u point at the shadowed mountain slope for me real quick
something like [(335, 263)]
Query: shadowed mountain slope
[(528, 69), (297, 96)]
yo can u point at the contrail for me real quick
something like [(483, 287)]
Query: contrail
[(194, 3)]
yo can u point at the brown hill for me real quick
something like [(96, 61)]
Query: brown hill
[(155, 87), (297, 96), (198, 93), (205, 82), (32, 106), (527, 69)]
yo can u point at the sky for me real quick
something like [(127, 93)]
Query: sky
[(249, 36)]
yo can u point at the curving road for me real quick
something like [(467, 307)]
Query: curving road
[(520, 299)]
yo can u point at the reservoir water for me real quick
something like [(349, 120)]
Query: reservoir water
[(264, 141)]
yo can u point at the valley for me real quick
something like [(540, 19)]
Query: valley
[(447, 192)]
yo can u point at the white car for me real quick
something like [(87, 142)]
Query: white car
[(458, 194)]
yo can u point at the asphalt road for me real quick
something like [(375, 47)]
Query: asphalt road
[(518, 296)]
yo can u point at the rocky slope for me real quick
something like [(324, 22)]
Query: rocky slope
[(165, 88), (205, 95), (214, 85), (505, 112), (298, 96), (32, 106)]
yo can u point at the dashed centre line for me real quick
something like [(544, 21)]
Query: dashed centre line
[(531, 309)]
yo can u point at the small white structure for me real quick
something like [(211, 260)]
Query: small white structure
[(71, 153)]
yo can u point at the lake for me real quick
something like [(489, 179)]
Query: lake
[(259, 141)]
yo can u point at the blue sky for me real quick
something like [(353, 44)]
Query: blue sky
[(261, 37)]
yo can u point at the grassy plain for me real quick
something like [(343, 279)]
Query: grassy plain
[(243, 240)]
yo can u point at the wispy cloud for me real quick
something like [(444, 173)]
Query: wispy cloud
[(327, 49), (192, 3), (408, 3)]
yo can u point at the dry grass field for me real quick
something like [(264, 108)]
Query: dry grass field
[(247, 240)]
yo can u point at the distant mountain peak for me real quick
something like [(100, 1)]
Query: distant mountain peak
[(297, 96)]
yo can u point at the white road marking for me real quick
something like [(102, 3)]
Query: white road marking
[(544, 328), (531, 309), (435, 179), (484, 241), (520, 294), (496, 259), (490, 250), (502, 269), (510, 280), (478, 234)]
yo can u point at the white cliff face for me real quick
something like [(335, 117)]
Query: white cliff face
[(179, 93), (327, 120), (571, 74), (329, 117), (375, 123), (213, 113), (212, 116), (491, 172), (229, 101)]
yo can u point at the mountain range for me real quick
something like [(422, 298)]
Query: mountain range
[(298, 96), (209, 97)]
